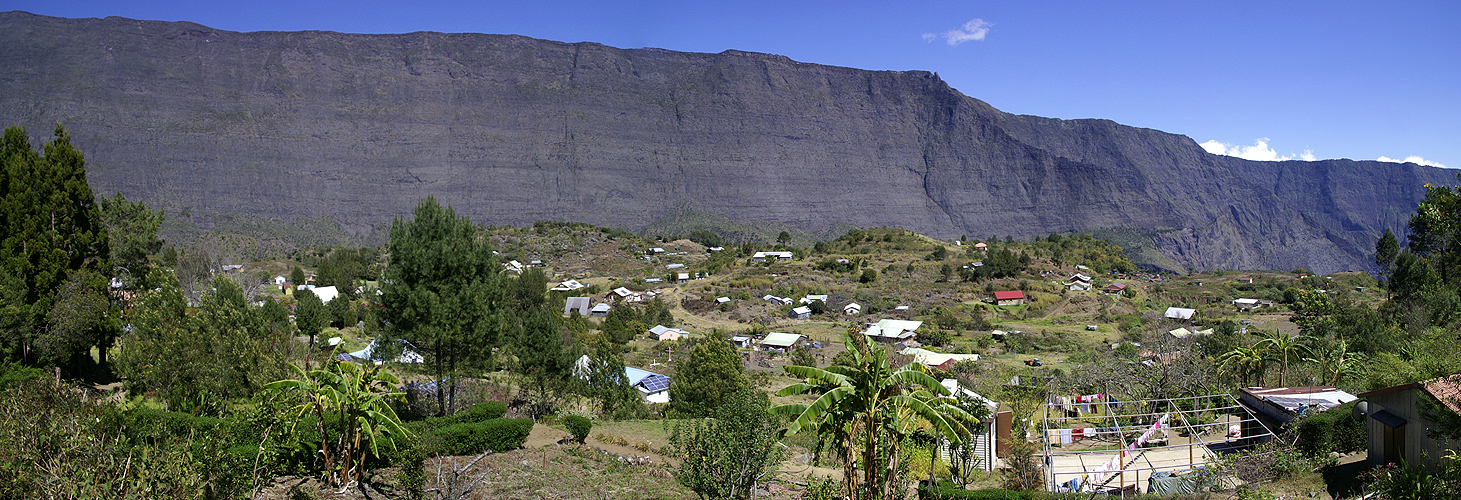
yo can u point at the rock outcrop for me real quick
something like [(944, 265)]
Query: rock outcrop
[(511, 130)]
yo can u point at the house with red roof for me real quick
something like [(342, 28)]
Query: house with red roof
[(1010, 298)]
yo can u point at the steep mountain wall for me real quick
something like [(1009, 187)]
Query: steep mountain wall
[(511, 130)]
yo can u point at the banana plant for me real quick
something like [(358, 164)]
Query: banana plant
[(873, 406), (353, 415)]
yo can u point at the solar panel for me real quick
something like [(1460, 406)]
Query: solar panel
[(656, 383)]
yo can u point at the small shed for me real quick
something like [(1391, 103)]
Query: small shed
[(741, 342), (852, 309), (1398, 419), (722, 300), (600, 310)]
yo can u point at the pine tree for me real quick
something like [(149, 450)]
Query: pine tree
[(443, 293), (702, 381), (51, 228)]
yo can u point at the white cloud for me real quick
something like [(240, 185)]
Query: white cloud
[(1412, 159), (1259, 151), (973, 30)]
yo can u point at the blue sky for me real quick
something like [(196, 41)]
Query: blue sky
[(1263, 80)]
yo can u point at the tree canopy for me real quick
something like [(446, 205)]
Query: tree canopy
[(443, 292)]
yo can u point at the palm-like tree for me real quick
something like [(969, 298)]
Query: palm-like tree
[(1245, 362), (872, 406), (1282, 347), (1336, 360)]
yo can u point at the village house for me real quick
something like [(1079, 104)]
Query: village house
[(763, 256), (852, 309), (783, 341), (1399, 419), (664, 333), (802, 312), (600, 310), (813, 298), (1180, 314), (893, 330), (1009, 298), (991, 438), (653, 387), (567, 286), (325, 293), (936, 359), (1276, 407), (580, 304), (1114, 289), (741, 342)]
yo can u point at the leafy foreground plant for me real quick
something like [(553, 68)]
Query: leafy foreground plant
[(352, 401), (725, 456), (873, 406)]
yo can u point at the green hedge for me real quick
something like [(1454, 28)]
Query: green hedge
[(471, 438), (1335, 430)]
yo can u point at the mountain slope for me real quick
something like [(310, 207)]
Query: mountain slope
[(510, 130)]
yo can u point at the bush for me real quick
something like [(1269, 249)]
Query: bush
[(503, 434), (1333, 430), (579, 427)]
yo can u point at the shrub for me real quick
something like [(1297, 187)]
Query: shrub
[(503, 434), (579, 427), (1333, 430)]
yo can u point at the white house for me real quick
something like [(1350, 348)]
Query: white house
[(1246, 304), (893, 330), (930, 358), (623, 293), (569, 285), (326, 293), (802, 312), (763, 256), (601, 310), (852, 309), (722, 300), (1179, 313), (813, 298), (987, 433), (741, 342), (653, 387), (407, 355), (280, 280)]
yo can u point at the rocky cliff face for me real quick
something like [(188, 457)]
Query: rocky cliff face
[(511, 130)]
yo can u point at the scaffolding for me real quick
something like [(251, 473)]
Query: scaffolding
[(1110, 446)]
